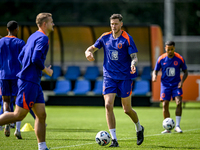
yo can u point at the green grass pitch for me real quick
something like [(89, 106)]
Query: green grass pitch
[(75, 128)]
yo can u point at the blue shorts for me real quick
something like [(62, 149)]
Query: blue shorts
[(170, 92), (8, 87), (29, 93), (123, 88)]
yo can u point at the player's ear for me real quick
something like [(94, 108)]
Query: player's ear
[(165, 49), (44, 24)]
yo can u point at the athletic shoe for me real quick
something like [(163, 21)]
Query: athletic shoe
[(7, 130), (114, 143), (17, 134), (166, 131), (178, 129), (12, 125), (140, 136)]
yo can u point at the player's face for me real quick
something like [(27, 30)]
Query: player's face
[(50, 24), (115, 25), (170, 50)]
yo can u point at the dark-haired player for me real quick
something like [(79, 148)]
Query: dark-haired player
[(10, 47), (120, 59), (170, 64)]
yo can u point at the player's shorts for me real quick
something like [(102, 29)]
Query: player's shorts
[(170, 92), (8, 87), (29, 93), (123, 88)]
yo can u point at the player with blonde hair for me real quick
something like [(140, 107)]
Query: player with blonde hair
[(30, 95)]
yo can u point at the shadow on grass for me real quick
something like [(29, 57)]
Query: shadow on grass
[(71, 130), (171, 147)]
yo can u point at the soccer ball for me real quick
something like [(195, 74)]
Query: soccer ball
[(102, 138), (168, 123)]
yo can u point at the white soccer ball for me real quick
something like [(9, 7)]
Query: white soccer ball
[(168, 123), (102, 138)]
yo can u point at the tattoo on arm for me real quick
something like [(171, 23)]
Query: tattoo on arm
[(134, 59)]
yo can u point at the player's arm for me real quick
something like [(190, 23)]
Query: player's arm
[(154, 75), (183, 78), (89, 53), (133, 62), (38, 52)]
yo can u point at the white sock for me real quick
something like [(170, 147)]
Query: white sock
[(6, 112), (113, 134), (42, 146), (138, 126), (178, 120), (18, 124)]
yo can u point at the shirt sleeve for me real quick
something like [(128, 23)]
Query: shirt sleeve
[(132, 47), (158, 65), (22, 45), (98, 43), (184, 67), (38, 53)]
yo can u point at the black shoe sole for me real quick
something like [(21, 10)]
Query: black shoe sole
[(139, 143)]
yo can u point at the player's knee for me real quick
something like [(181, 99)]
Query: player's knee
[(108, 106), (165, 106), (42, 116), (127, 111), (179, 103)]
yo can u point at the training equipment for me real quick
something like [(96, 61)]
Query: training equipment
[(168, 123), (102, 138), (27, 127)]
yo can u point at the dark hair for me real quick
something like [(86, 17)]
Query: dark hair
[(116, 16), (170, 43), (12, 25)]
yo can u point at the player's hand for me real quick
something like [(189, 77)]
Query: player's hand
[(180, 85), (154, 78), (48, 71), (89, 56), (133, 69)]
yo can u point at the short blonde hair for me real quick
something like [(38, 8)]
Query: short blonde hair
[(42, 17)]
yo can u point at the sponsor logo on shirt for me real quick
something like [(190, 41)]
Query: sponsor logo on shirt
[(170, 71), (113, 54)]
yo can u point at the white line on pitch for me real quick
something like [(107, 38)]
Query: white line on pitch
[(120, 139)]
